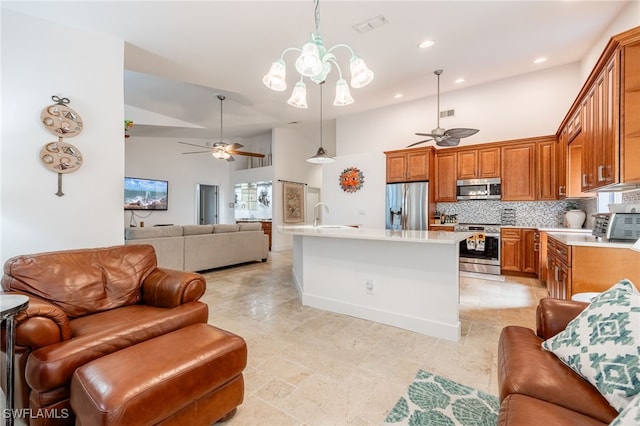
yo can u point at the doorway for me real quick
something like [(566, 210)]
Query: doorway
[(313, 197), (207, 207)]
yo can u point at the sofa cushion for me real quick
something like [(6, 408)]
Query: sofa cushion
[(94, 336), (153, 232), (523, 410), (250, 226), (525, 368), (197, 229), (223, 227), (602, 344), (82, 282)]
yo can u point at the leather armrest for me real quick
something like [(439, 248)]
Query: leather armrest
[(553, 315), (167, 288), (41, 324)]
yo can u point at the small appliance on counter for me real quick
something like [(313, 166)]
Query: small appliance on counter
[(617, 226)]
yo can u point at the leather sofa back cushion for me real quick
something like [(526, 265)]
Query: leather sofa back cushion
[(153, 232), (81, 282), (223, 227)]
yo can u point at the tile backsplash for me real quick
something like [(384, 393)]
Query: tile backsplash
[(528, 213), (631, 196)]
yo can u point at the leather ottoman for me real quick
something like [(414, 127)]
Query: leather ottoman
[(190, 376)]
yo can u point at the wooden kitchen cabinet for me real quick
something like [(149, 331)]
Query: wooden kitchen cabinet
[(562, 159), (546, 170), (445, 176), (478, 163), (518, 172), (519, 251), (584, 269), (410, 165)]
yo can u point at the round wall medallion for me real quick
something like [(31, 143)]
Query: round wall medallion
[(61, 120), (61, 157), (351, 179)]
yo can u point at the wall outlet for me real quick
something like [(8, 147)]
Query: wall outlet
[(369, 286)]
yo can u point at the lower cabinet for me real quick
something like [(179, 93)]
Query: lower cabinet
[(519, 251), (584, 269)]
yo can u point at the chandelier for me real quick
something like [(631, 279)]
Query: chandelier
[(316, 62)]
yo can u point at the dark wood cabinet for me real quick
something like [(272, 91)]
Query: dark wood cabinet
[(546, 170), (519, 251)]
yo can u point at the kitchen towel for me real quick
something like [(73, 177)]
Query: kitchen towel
[(480, 238), (471, 242)]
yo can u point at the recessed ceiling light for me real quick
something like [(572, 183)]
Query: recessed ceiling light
[(539, 60), (426, 43), (460, 80), (397, 95)]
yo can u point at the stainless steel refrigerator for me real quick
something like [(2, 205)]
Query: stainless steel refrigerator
[(407, 206)]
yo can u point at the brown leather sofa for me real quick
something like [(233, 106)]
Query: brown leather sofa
[(85, 304), (536, 388)]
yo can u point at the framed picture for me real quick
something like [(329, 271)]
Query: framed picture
[(293, 202)]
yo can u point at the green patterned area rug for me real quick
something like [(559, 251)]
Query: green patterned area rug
[(435, 401)]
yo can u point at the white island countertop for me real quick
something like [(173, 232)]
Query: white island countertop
[(341, 231)]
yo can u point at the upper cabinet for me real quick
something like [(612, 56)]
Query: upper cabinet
[(602, 128), (518, 172), (445, 185), (478, 163), (410, 165)]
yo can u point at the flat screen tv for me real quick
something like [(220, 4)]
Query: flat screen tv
[(145, 194)]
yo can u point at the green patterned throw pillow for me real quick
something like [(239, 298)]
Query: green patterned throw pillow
[(602, 344), (630, 415)]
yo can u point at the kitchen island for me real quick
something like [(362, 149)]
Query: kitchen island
[(408, 279)]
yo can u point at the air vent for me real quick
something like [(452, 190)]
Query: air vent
[(447, 113), (370, 24)]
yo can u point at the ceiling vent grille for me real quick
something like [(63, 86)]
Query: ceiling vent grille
[(448, 113), (370, 24)]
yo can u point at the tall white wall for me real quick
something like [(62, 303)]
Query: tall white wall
[(528, 105), (41, 59)]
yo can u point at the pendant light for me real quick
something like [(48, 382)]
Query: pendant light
[(321, 156)]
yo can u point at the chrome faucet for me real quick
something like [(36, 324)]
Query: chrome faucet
[(316, 220)]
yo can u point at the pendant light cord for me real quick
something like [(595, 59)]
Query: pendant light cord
[(221, 97), (317, 15), (321, 83)]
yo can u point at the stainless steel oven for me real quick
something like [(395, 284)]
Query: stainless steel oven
[(481, 252)]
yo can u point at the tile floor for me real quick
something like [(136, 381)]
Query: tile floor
[(311, 367)]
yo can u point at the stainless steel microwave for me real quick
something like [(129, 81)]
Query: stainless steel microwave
[(478, 189)]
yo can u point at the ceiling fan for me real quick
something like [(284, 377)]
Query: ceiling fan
[(444, 137), (222, 150)]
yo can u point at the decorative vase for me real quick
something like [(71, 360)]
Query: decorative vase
[(575, 218)]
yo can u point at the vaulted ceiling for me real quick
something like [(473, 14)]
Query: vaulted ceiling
[(179, 55)]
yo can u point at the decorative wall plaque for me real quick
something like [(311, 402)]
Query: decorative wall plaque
[(351, 179)]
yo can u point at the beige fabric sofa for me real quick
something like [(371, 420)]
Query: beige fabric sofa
[(202, 247)]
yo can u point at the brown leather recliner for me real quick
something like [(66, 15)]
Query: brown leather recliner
[(84, 304), (536, 388)]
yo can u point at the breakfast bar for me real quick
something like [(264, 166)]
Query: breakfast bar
[(407, 279)]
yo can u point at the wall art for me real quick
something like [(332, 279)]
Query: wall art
[(293, 196), (351, 179)]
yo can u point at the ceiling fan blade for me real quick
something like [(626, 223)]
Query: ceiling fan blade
[(248, 154), (461, 132), (432, 135), (234, 146), (450, 141), (197, 152), (230, 159), (418, 143), (193, 144)]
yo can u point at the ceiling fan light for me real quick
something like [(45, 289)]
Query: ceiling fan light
[(360, 74), (309, 63), (276, 77), (298, 97), (321, 157), (220, 154), (343, 95)]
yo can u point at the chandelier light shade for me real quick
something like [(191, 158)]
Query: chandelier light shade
[(321, 157), (298, 97), (315, 62)]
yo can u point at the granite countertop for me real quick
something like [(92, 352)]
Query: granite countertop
[(343, 231), (577, 239)]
